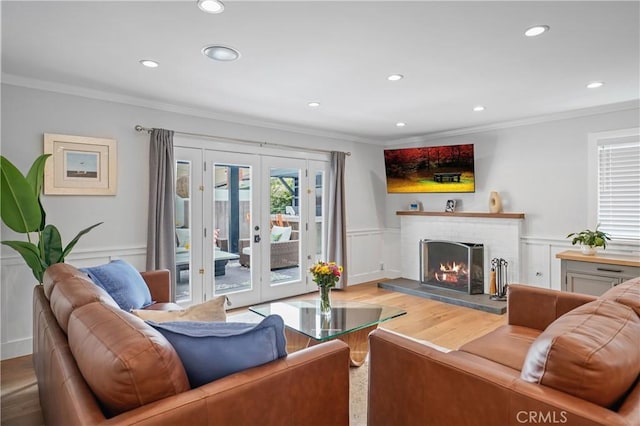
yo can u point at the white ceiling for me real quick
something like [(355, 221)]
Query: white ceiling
[(454, 55)]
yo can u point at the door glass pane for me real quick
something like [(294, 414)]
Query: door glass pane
[(318, 222), (184, 290), (284, 235), (232, 224)]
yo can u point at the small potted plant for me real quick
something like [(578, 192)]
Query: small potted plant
[(589, 240)]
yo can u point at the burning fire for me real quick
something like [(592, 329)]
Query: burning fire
[(451, 272)]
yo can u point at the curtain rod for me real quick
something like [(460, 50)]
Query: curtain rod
[(140, 128)]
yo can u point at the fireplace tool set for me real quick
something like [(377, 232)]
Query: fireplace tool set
[(498, 279)]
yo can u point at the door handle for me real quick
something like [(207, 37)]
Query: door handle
[(256, 238)]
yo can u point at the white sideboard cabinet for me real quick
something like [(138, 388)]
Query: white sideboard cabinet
[(595, 274)]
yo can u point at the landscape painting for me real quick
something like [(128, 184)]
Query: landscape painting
[(447, 168), (81, 164)]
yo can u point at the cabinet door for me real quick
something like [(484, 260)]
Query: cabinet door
[(589, 284)]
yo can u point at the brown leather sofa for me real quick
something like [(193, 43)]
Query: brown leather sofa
[(563, 358), (99, 365)]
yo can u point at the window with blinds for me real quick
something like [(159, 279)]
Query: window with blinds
[(619, 188)]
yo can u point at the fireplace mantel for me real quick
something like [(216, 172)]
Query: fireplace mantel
[(462, 214)]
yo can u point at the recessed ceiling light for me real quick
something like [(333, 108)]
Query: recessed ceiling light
[(395, 77), (149, 63), (595, 84), (211, 6), (221, 53), (314, 104), (478, 108), (400, 124), (536, 30)]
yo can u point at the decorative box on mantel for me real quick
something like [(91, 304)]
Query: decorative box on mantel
[(499, 233)]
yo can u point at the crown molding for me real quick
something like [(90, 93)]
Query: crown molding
[(564, 115), (66, 89)]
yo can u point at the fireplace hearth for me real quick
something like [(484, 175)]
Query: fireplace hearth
[(452, 265)]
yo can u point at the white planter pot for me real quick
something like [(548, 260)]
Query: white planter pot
[(588, 250)]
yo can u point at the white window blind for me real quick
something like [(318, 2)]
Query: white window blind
[(619, 188)]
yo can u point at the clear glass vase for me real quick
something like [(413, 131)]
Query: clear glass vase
[(325, 300)]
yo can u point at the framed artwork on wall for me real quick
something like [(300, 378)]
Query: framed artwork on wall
[(79, 165)]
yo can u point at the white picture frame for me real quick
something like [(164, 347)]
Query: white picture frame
[(80, 165)]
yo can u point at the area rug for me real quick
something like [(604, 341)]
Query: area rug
[(358, 378), (246, 283), (358, 392)]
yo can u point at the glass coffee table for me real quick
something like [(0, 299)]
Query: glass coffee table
[(350, 322)]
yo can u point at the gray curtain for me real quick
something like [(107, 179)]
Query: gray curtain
[(161, 232), (336, 237)]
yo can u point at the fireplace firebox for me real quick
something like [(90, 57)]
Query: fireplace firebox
[(452, 265)]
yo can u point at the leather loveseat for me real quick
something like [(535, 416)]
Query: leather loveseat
[(562, 358), (99, 365)]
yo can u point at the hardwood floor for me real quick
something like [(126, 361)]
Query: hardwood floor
[(443, 324)]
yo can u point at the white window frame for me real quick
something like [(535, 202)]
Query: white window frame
[(594, 139)]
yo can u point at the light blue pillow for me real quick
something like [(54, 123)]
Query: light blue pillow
[(123, 283), (211, 350)]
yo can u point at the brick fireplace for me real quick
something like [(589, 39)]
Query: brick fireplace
[(499, 234)]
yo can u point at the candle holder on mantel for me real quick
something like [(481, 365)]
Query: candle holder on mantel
[(498, 279)]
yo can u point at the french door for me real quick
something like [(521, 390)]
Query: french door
[(260, 225)]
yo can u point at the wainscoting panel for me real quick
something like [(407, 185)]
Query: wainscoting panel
[(366, 255), (541, 268)]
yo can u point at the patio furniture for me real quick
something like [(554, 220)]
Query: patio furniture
[(284, 254)]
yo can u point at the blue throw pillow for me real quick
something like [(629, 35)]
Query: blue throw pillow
[(211, 350), (123, 283)]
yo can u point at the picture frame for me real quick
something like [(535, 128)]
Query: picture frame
[(450, 207), (80, 165), (415, 206)]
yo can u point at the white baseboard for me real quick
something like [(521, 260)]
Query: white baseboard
[(16, 348)]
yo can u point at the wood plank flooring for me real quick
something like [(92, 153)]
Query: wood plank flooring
[(443, 324)]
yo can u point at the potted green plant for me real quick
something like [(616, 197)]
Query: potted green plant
[(589, 240), (22, 211)]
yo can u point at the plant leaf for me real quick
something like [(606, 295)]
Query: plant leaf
[(35, 176), (31, 256), (19, 206), (75, 240), (51, 244)]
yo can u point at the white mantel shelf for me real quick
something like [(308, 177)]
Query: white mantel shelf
[(462, 214)]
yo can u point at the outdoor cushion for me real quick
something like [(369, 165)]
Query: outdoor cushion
[(211, 350), (211, 310), (182, 236), (284, 231), (123, 283)]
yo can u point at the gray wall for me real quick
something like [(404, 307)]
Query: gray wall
[(539, 169), (29, 113)]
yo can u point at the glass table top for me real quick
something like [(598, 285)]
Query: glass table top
[(346, 316)]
